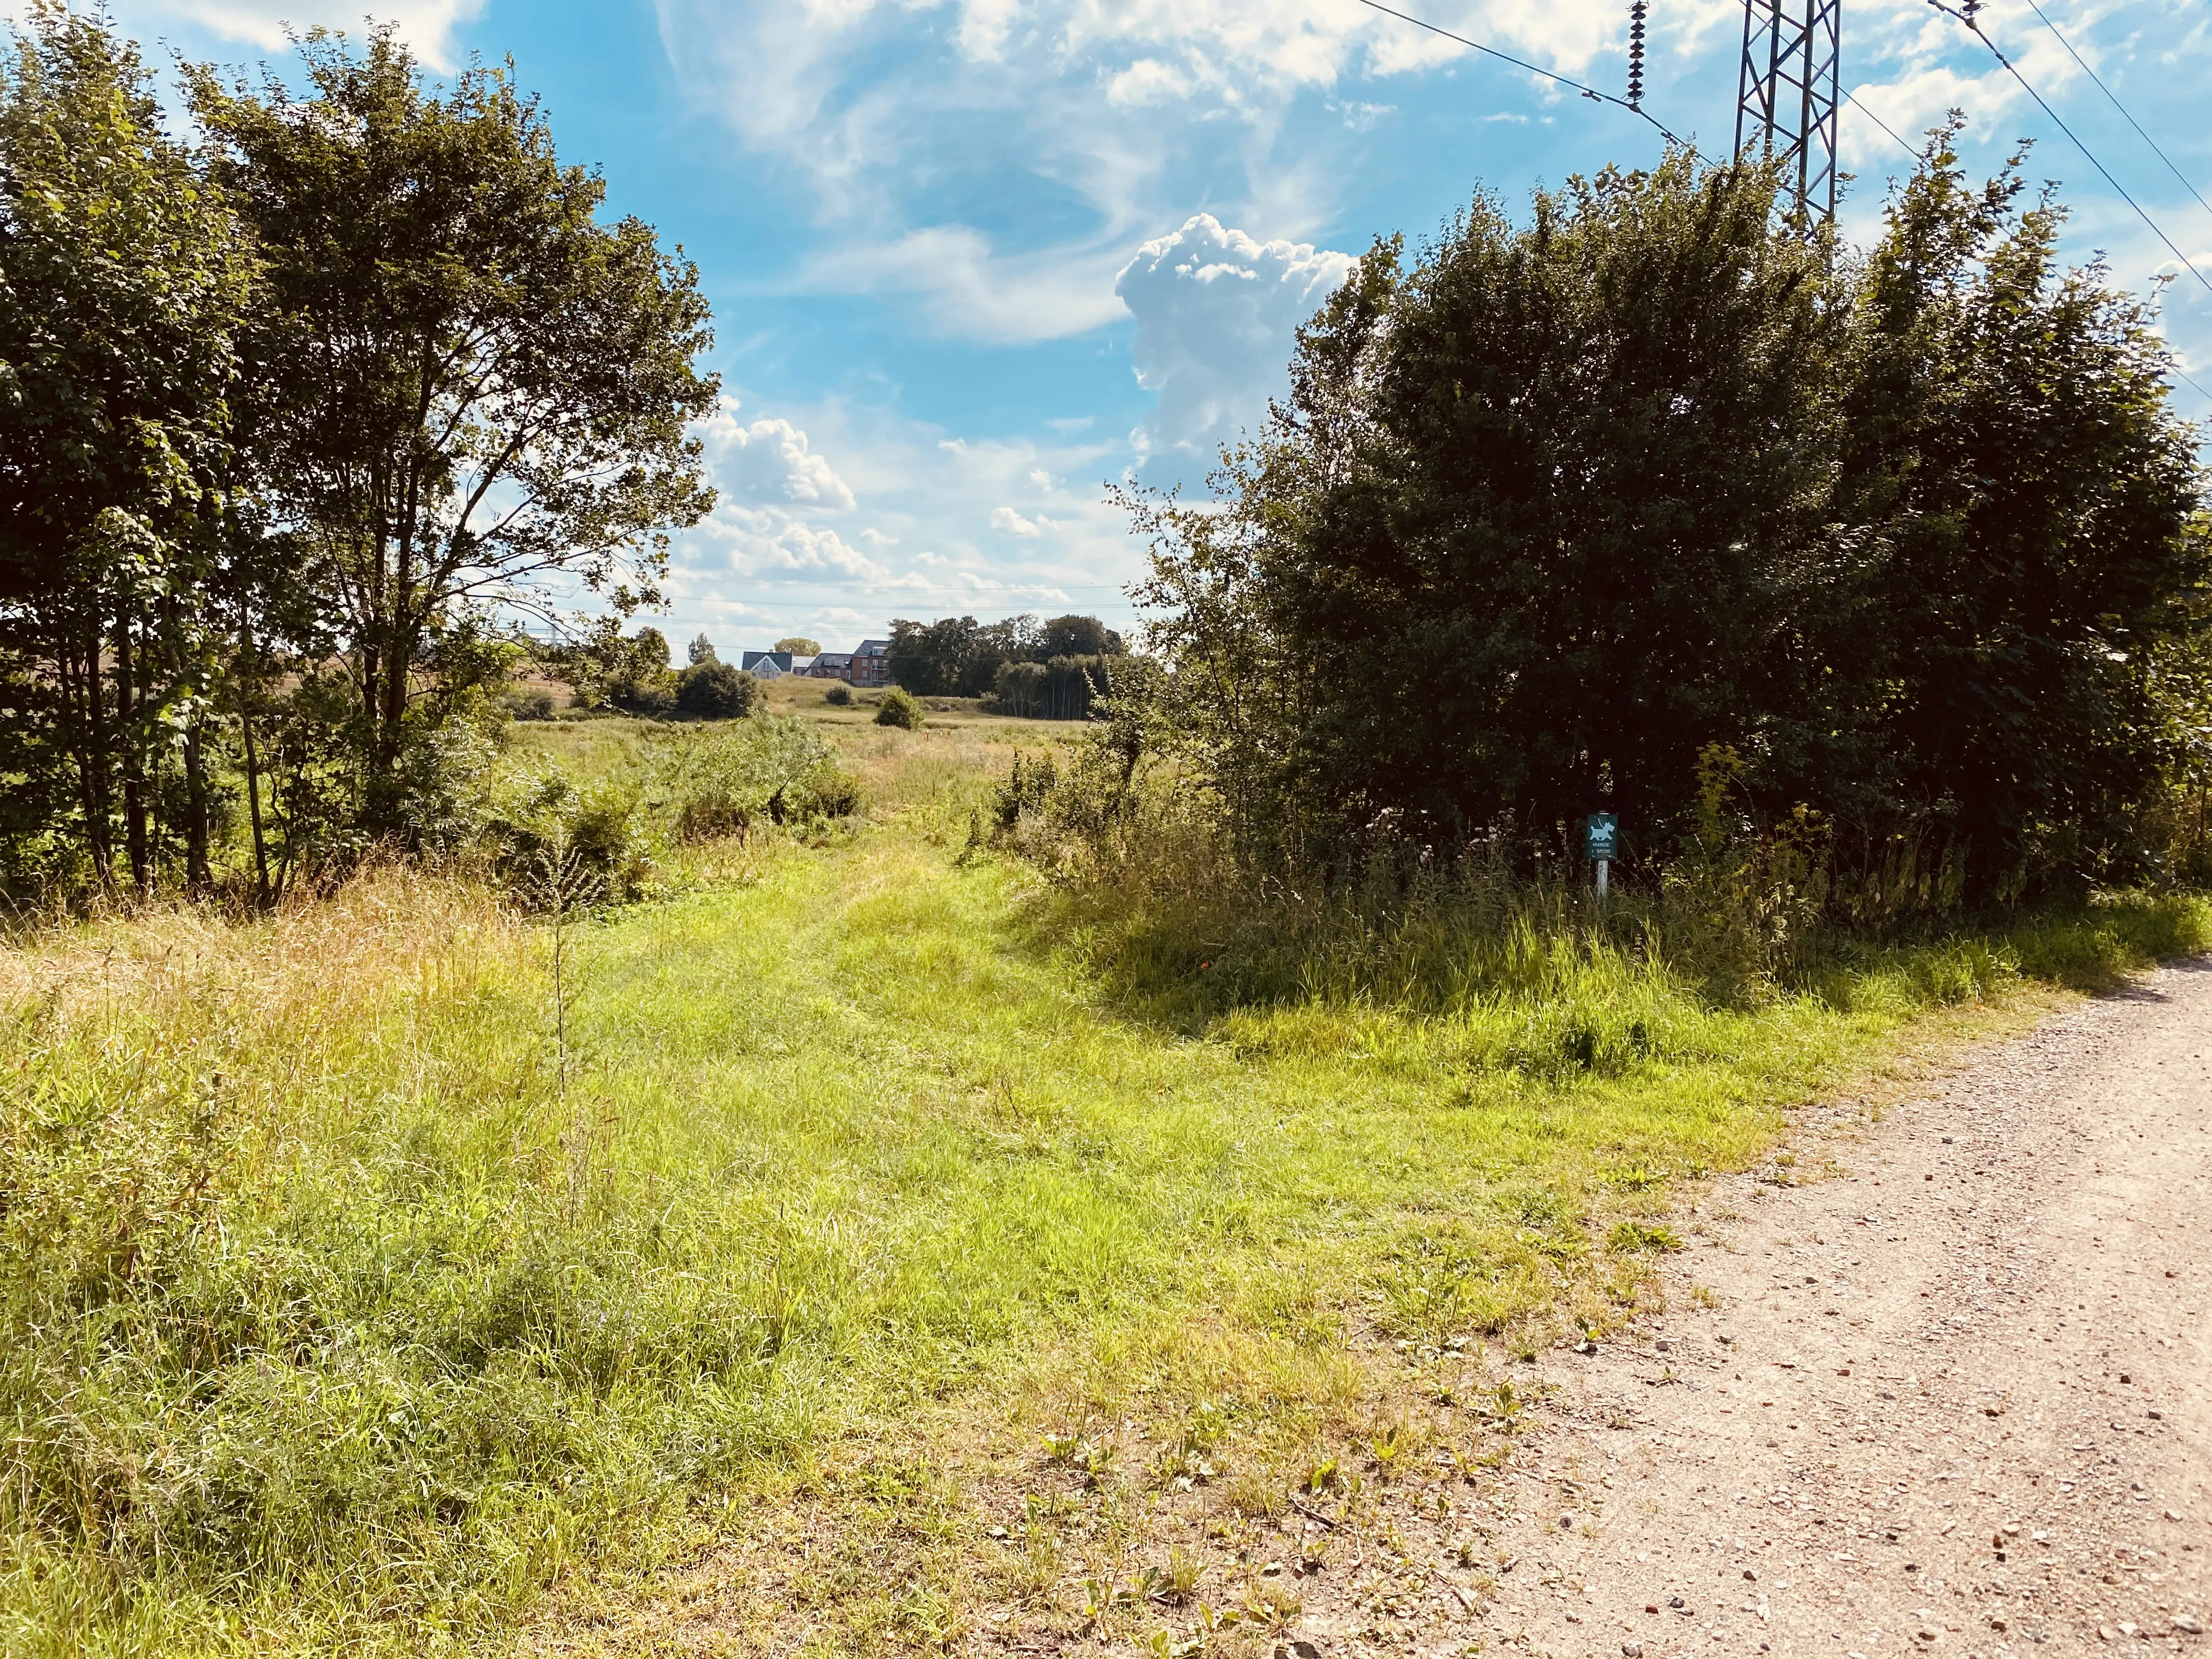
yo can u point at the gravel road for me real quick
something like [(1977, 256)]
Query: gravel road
[(1949, 1394)]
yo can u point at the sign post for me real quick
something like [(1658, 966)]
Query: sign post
[(1600, 837)]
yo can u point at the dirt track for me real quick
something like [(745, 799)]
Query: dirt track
[(1952, 1395)]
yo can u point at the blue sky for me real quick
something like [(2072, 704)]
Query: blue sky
[(970, 259)]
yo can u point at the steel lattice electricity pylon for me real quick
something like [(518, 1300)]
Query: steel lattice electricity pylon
[(1787, 92)]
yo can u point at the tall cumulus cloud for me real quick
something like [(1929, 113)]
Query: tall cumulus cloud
[(1215, 312)]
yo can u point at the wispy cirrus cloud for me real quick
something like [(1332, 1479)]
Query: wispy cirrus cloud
[(990, 165)]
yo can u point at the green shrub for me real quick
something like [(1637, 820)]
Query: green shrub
[(899, 710), (555, 846), (725, 781), (840, 695), (529, 702), (1024, 791), (634, 676), (1638, 1237), (713, 690), (828, 792)]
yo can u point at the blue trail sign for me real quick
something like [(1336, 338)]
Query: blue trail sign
[(1602, 836)]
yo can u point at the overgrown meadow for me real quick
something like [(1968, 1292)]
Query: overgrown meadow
[(348, 1307)]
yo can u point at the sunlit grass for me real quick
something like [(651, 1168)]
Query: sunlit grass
[(333, 1321)]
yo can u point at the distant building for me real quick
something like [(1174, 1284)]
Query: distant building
[(869, 665)]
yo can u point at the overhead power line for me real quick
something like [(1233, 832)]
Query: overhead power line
[(1997, 52), (1965, 16), (1879, 122), (1636, 109), (1633, 104), (2121, 108)]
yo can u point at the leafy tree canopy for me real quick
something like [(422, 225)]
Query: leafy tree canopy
[(465, 380), (960, 656), (1560, 506)]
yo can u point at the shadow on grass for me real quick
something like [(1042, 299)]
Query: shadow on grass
[(1189, 968)]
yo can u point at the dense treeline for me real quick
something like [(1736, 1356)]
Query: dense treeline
[(291, 411), (1653, 505), (1051, 670)]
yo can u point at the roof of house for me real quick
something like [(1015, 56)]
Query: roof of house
[(872, 647)]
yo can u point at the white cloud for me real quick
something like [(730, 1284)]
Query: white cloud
[(1147, 81), (929, 548), (898, 117), (1216, 311), (773, 488), (428, 25), (735, 542), (1918, 64), (965, 289), (769, 460)]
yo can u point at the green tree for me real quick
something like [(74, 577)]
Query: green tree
[(1019, 688), (464, 382), (800, 645), (935, 660), (1561, 509), (899, 709), (1562, 484), (715, 691), (1077, 636), (124, 278), (2009, 431), (960, 656)]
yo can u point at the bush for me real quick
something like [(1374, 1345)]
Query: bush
[(899, 710), (529, 702), (726, 782), (715, 691), (652, 697), (555, 846), (840, 695), (828, 792)]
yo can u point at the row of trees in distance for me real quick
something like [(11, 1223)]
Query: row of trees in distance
[(1051, 670)]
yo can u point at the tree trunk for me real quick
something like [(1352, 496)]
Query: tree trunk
[(77, 661), (199, 877), (199, 874), (248, 683), (134, 779)]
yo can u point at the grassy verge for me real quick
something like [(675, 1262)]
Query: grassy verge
[(334, 1320)]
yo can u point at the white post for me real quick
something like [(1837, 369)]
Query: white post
[(1601, 863)]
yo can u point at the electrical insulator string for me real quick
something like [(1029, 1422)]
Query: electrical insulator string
[(1636, 13), (1590, 93)]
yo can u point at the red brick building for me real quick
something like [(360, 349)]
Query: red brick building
[(872, 663)]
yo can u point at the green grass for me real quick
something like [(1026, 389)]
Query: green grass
[(333, 1321)]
